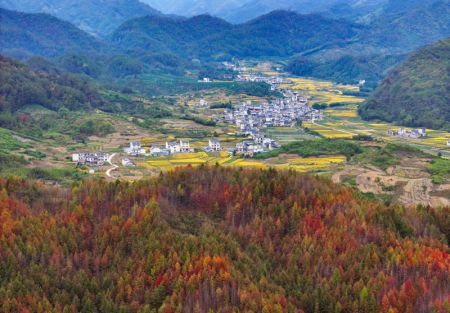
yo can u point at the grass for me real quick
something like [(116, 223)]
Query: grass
[(9, 142), (318, 147), (440, 170)]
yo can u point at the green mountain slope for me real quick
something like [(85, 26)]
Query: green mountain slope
[(94, 16), (347, 69), (416, 93), (279, 33), (45, 85), (181, 36), (23, 35), (407, 25)]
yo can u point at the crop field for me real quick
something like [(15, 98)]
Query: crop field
[(185, 159), (344, 122), (223, 158), (324, 91)]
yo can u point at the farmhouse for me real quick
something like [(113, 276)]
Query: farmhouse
[(404, 133), (134, 149), (128, 163), (156, 151), (90, 159), (213, 145), (182, 146)]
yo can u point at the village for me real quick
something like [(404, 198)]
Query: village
[(250, 121)]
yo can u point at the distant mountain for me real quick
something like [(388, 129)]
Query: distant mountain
[(45, 85), (410, 24), (94, 16), (416, 93), (279, 33), (238, 11), (23, 35), (178, 35)]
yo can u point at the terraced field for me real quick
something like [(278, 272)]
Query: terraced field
[(323, 91), (223, 158)]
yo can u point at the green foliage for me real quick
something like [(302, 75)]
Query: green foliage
[(221, 106), (440, 170), (93, 127), (416, 92), (361, 137), (280, 33), (9, 142), (318, 147), (347, 69), (24, 35), (389, 155), (94, 16), (199, 120), (47, 86)]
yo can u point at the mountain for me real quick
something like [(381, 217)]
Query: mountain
[(98, 17), (416, 93), (217, 240), (279, 33), (178, 35), (23, 35), (44, 85), (238, 11), (408, 25), (347, 69)]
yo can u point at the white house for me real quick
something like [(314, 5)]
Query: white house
[(135, 149), (157, 151), (89, 158), (214, 145), (182, 146), (127, 162)]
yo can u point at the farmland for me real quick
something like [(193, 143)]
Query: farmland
[(292, 162)]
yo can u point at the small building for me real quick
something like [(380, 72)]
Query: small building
[(270, 144), (90, 158), (128, 163), (157, 151), (183, 146), (134, 149), (214, 145)]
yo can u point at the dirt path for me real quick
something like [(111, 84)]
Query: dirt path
[(114, 166)]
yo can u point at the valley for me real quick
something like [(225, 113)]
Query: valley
[(233, 156), (372, 170)]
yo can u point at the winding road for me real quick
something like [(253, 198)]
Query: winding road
[(114, 166)]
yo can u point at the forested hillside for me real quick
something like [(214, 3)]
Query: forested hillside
[(416, 93), (217, 240), (23, 35), (347, 69), (280, 33), (47, 86), (98, 17)]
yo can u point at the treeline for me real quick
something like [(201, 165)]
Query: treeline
[(347, 69), (307, 148), (217, 240), (20, 86)]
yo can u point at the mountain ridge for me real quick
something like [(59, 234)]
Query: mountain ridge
[(417, 92), (97, 17)]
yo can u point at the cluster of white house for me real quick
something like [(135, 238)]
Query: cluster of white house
[(413, 133), (171, 147), (90, 158), (277, 113)]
